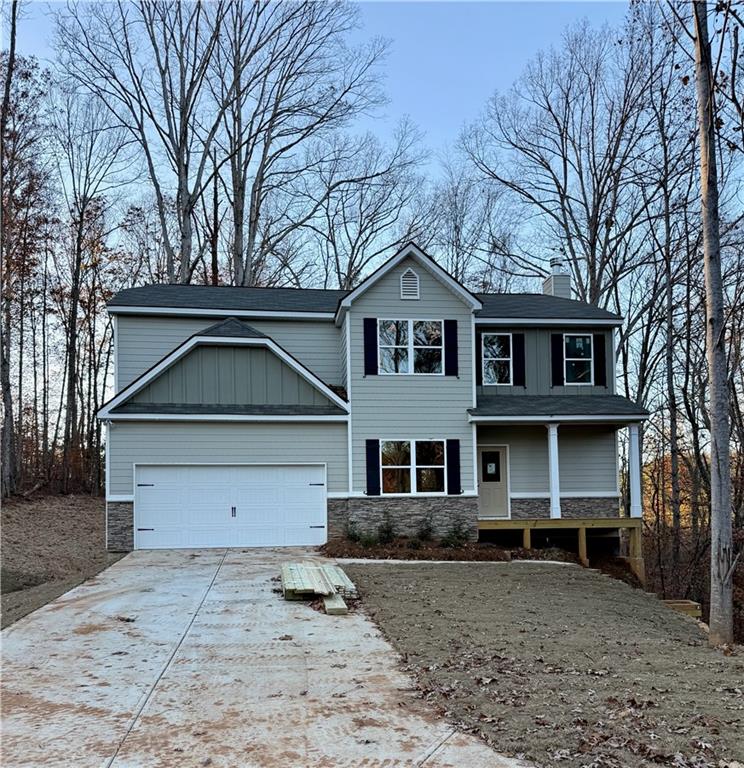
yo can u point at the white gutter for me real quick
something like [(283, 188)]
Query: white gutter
[(514, 321), (189, 311), (554, 417)]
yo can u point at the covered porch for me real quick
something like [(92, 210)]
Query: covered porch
[(551, 464)]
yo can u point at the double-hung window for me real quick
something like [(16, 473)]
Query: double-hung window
[(497, 358), (578, 358), (410, 346), (412, 466)]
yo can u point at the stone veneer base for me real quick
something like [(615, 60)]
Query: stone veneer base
[(120, 526), (406, 514), (585, 506)]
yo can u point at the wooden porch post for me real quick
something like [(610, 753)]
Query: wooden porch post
[(582, 546)]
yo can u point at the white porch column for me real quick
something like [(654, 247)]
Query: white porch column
[(634, 470), (554, 474)]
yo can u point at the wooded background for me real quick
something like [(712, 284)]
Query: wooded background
[(213, 143)]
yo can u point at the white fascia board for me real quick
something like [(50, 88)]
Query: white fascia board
[(187, 311), (189, 344), (514, 321), (219, 417), (424, 261), (553, 418)]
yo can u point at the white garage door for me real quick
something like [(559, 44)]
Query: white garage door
[(229, 506)]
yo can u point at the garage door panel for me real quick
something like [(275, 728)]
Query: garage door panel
[(191, 506)]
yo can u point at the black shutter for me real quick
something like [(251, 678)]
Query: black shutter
[(453, 468), (518, 359), (370, 346), (556, 358), (450, 348), (600, 360), (373, 467), (478, 357)]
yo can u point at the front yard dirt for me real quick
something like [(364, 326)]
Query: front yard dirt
[(49, 545), (560, 665)]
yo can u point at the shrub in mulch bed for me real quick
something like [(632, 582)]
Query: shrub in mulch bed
[(403, 548)]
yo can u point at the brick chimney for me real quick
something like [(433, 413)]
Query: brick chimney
[(558, 282)]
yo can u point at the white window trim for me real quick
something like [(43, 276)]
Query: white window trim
[(510, 383), (412, 467), (566, 359), (410, 346)]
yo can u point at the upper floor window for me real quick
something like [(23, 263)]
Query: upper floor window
[(410, 346), (578, 358), (497, 358), (409, 285), (412, 466)]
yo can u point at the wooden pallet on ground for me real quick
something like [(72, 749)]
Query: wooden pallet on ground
[(306, 580)]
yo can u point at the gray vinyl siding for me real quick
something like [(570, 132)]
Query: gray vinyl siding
[(221, 375), (411, 406), (537, 364), (528, 455), (142, 341), (587, 457), (164, 442)]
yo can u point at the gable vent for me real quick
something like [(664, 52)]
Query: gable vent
[(409, 285)]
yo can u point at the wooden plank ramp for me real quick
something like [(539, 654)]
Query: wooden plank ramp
[(689, 607), (307, 580)]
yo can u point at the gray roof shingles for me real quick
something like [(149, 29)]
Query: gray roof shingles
[(229, 298), (533, 306), (557, 405)]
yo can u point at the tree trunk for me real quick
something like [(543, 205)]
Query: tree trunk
[(721, 546), (7, 439)]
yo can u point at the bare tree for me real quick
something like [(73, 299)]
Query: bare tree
[(295, 84), (564, 142), (722, 553), (7, 442), (471, 230), (89, 157), (362, 201), (149, 62)]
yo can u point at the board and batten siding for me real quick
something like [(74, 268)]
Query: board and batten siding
[(222, 375), (537, 365), (142, 341), (587, 457), (167, 442), (411, 406)]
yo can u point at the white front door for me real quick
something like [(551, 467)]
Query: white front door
[(493, 485), (179, 506)]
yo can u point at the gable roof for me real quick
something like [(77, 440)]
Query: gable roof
[(410, 251), (233, 328), (238, 332)]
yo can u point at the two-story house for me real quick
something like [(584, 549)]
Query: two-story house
[(279, 416)]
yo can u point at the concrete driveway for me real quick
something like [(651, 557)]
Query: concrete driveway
[(189, 658)]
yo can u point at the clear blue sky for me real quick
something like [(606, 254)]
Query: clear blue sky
[(446, 59)]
